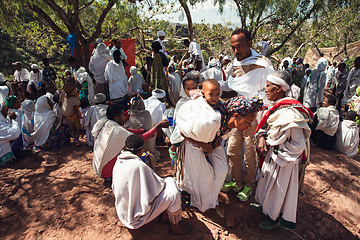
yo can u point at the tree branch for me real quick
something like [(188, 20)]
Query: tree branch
[(86, 5)]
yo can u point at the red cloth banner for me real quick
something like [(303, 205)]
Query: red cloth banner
[(128, 45)]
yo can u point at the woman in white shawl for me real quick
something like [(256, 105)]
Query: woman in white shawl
[(116, 75), (283, 140), (9, 130), (135, 81), (28, 107), (97, 67), (35, 78), (314, 87), (49, 132), (139, 118)]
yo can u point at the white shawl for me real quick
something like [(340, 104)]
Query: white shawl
[(9, 130), (4, 92), (98, 63), (43, 121), (347, 138), (92, 116), (155, 107), (135, 187), (198, 120), (109, 141), (35, 78), (328, 118), (135, 81)]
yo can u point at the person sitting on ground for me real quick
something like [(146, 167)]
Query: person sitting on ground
[(49, 131), (140, 194), (145, 92), (12, 102), (70, 109), (154, 105), (214, 71), (283, 144), (135, 81), (139, 118), (110, 138), (325, 123), (347, 135), (93, 115), (28, 107), (10, 130)]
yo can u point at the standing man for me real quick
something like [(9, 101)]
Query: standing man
[(161, 37), (48, 73), (340, 84), (353, 80), (117, 46), (194, 51), (22, 77), (248, 78)]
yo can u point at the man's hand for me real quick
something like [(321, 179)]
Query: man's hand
[(163, 124)]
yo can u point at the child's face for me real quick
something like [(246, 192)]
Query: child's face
[(73, 92), (326, 102), (211, 93), (189, 85)]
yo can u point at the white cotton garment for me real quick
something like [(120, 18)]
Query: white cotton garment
[(92, 116), (328, 118), (116, 75), (347, 138), (82, 76)]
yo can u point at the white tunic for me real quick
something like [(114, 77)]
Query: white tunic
[(347, 138), (116, 75)]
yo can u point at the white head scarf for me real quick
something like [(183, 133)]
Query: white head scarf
[(290, 91), (161, 33)]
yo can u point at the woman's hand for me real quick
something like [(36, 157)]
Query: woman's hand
[(262, 146)]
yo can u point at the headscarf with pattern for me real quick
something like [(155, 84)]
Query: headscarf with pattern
[(243, 105)]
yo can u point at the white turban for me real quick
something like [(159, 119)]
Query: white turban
[(161, 34), (227, 57), (290, 91), (34, 66), (159, 93)]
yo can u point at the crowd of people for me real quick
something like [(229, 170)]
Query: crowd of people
[(233, 124)]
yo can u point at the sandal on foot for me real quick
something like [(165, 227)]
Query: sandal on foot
[(269, 226), (256, 207)]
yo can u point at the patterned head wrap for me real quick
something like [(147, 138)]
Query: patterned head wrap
[(243, 105)]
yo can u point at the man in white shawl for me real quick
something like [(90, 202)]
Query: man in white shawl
[(283, 140), (116, 76), (347, 135), (141, 195), (175, 84), (93, 115), (97, 67), (353, 80), (87, 90), (155, 106), (117, 46), (214, 71), (110, 138), (248, 79), (194, 51), (9, 130), (325, 124), (315, 84), (136, 80)]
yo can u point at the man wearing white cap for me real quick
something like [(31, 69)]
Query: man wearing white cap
[(155, 106), (161, 37)]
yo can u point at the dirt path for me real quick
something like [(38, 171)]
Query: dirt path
[(56, 195)]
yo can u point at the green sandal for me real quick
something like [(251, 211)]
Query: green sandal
[(269, 226), (256, 207)]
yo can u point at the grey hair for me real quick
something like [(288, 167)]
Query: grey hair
[(284, 75)]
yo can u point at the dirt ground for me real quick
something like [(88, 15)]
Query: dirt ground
[(56, 195)]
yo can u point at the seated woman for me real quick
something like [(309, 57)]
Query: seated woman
[(347, 135), (12, 102), (283, 139), (10, 130), (49, 131), (27, 128), (139, 118)]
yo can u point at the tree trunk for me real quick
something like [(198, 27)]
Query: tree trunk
[(189, 20)]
